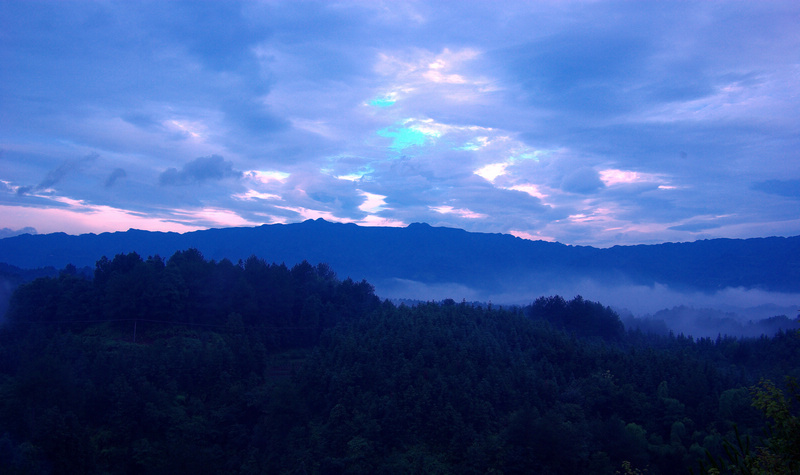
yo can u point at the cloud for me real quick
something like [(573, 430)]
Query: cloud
[(70, 166), (787, 188), (584, 71), (583, 181), (114, 176), (464, 213), (199, 170), (530, 189), (373, 203), (23, 190), (78, 217), (590, 123), (612, 177), (694, 227), (404, 137), (491, 171)]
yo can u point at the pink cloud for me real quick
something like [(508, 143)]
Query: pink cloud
[(80, 218)]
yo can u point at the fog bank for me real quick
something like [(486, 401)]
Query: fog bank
[(733, 311)]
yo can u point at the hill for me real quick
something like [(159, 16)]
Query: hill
[(460, 263), (187, 365)]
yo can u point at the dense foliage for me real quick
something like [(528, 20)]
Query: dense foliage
[(195, 366)]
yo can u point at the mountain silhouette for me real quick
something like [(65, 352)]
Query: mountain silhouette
[(427, 255)]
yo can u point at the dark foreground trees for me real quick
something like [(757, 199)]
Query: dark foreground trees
[(260, 368)]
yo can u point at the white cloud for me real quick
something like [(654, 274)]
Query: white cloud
[(530, 189), (372, 220), (613, 177), (531, 236), (461, 212), (267, 177), (491, 171), (416, 67), (372, 203), (351, 176), (253, 194)]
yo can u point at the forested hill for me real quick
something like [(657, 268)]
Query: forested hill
[(185, 365), (430, 255)]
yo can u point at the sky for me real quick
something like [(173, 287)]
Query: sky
[(589, 123)]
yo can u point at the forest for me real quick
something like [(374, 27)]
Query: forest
[(189, 365)]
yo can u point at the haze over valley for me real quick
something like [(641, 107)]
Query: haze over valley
[(740, 280)]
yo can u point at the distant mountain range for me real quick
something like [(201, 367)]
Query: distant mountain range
[(422, 255)]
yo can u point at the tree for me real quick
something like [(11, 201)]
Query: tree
[(782, 453)]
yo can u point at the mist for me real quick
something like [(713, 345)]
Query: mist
[(658, 308)]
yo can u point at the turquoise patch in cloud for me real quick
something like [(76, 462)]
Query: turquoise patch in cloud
[(469, 146), (403, 138), (385, 101)]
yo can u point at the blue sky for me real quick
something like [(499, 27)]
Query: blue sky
[(592, 123)]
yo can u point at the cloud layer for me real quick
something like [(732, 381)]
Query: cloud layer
[(596, 123)]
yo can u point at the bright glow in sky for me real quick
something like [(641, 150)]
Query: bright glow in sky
[(492, 171), (373, 203), (267, 176), (592, 123)]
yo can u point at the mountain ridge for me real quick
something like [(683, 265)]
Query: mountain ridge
[(435, 255)]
